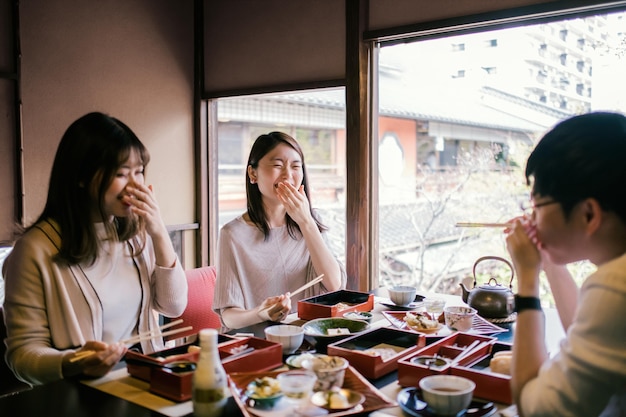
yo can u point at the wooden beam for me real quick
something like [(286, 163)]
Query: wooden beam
[(360, 217)]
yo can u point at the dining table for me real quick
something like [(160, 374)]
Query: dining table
[(120, 395)]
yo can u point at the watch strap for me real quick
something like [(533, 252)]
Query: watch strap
[(526, 303)]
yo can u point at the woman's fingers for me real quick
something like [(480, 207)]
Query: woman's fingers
[(105, 358)]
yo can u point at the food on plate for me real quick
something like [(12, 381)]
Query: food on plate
[(342, 306), (323, 362), (420, 321), (238, 349), (264, 387), (337, 331), (336, 399), (296, 360), (501, 362)]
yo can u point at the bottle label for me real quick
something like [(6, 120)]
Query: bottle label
[(203, 395)]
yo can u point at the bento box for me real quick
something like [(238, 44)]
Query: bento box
[(490, 385), (139, 364), (334, 304), (376, 352), (439, 357), (250, 354)]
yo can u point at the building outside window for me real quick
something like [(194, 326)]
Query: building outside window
[(452, 143)]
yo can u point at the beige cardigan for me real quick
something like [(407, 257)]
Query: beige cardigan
[(51, 308)]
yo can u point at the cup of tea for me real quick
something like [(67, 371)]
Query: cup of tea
[(447, 395), (459, 318), (402, 295)]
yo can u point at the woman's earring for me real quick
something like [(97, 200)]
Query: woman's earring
[(252, 181)]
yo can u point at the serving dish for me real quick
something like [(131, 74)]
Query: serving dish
[(334, 328), (324, 331), (337, 400), (412, 404), (490, 385), (358, 315), (249, 354), (334, 304), (458, 349), (374, 399), (263, 392), (479, 325), (295, 361), (376, 352)]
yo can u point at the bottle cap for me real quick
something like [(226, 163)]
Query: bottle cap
[(208, 335)]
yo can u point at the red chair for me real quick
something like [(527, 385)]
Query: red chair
[(199, 313), (9, 384)]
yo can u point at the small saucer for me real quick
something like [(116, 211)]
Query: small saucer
[(417, 302), (411, 402)]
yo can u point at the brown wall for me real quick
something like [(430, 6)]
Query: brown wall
[(132, 59)]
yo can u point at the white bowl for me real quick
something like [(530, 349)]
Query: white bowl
[(289, 336), (402, 295), (447, 395), (459, 317)]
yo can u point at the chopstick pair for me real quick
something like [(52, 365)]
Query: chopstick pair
[(81, 355), (469, 224), (154, 333), (138, 338), (308, 284)]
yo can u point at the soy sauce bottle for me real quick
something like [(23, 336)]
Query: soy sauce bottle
[(209, 392)]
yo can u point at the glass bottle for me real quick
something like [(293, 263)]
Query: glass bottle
[(209, 394)]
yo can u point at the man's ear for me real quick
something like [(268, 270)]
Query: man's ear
[(593, 214)]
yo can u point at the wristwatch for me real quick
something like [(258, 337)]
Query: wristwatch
[(526, 303)]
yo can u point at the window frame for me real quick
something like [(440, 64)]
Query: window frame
[(362, 48)]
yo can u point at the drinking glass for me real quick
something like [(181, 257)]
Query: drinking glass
[(434, 306)]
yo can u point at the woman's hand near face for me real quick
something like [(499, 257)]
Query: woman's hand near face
[(144, 204), (295, 202), (98, 364), (522, 244)]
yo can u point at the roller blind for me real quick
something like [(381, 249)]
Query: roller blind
[(251, 44)]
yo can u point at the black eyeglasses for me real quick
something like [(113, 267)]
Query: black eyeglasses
[(528, 210)]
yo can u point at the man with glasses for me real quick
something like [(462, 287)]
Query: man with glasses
[(578, 212)]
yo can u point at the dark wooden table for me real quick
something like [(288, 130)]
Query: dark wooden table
[(68, 398)]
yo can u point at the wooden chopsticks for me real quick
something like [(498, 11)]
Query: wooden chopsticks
[(156, 333), (138, 338), (81, 355), (469, 224), (308, 284)]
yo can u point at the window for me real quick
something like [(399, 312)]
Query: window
[(317, 120), (457, 47), (465, 140)]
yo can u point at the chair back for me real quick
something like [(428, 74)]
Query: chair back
[(199, 312), (9, 384)]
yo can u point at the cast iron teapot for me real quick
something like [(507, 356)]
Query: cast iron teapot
[(492, 300)]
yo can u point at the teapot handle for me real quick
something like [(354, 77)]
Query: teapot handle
[(496, 258)]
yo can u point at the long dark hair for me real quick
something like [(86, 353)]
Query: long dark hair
[(86, 162), (262, 145)]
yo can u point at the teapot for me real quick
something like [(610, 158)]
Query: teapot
[(492, 300)]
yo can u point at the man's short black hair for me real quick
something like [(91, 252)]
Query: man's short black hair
[(582, 157)]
